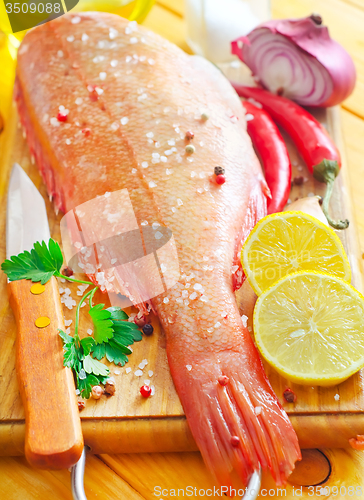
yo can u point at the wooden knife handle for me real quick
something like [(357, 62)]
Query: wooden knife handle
[(53, 435)]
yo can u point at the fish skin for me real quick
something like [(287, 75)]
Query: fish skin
[(164, 91)]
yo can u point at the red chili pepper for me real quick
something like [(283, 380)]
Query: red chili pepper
[(311, 139), (272, 150)]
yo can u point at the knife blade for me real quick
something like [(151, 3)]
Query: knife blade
[(27, 220), (53, 435)]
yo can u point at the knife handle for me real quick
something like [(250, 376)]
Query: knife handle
[(53, 435)]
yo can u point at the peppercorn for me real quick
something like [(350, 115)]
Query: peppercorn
[(145, 391), (97, 392), (189, 135), (220, 179), (148, 329), (234, 440), (298, 181), (61, 117), (140, 320), (67, 271), (190, 149), (219, 170), (81, 405), (86, 131), (223, 380), (289, 396), (110, 387)]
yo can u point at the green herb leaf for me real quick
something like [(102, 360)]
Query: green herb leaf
[(99, 351), (93, 366), (40, 264), (125, 333), (102, 323), (70, 357), (85, 385), (117, 313), (87, 344), (116, 353)]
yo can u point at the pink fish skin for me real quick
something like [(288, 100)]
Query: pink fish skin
[(131, 97)]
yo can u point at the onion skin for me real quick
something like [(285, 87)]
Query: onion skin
[(314, 40)]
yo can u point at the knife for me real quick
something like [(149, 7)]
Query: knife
[(53, 435)]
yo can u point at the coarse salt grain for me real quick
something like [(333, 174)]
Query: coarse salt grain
[(54, 122), (68, 142), (150, 373), (153, 390), (138, 373), (258, 410), (336, 397), (158, 235), (147, 382), (249, 117), (84, 37), (234, 269), (76, 20), (60, 53), (197, 286), (103, 75), (217, 324), (151, 62), (127, 370), (113, 63), (89, 331), (244, 319), (98, 59), (70, 38), (193, 296), (133, 40), (152, 184), (169, 171), (164, 159), (79, 101), (124, 120), (166, 300), (189, 367), (150, 135), (67, 322)]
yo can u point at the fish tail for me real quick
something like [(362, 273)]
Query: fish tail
[(238, 426)]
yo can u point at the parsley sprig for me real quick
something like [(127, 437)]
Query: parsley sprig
[(112, 332)]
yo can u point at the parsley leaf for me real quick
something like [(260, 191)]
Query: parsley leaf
[(70, 357), (102, 323), (85, 385), (87, 345), (125, 334), (93, 366), (40, 264)]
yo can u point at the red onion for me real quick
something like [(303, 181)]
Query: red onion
[(298, 59)]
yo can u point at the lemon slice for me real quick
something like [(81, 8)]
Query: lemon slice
[(289, 242), (310, 327)]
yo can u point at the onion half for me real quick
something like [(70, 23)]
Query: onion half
[(297, 59)]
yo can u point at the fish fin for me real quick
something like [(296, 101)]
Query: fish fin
[(256, 210), (219, 416)]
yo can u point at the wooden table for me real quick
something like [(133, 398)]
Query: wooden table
[(135, 476)]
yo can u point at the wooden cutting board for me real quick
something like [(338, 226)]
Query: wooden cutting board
[(127, 422)]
